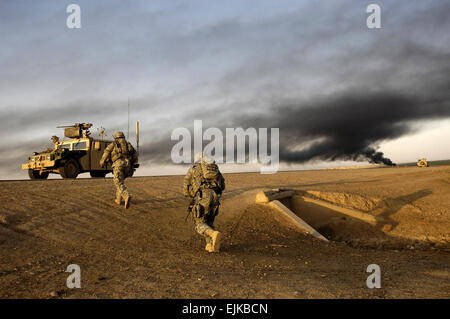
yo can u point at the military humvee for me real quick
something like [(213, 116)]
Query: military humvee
[(80, 154)]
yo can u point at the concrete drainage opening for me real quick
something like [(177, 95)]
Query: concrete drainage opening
[(324, 220)]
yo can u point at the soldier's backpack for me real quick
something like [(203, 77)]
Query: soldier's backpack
[(205, 176), (120, 150), (210, 172)]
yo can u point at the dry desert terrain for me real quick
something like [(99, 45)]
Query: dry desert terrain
[(150, 251)]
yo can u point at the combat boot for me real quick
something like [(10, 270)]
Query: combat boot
[(208, 246), (127, 201), (118, 201), (214, 244)]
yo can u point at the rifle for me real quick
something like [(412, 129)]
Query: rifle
[(191, 202), (191, 205)]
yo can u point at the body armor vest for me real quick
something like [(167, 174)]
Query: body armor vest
[(199, 182), (120, 150)]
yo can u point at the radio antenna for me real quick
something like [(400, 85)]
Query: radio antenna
[(128, 133), (137, 137)]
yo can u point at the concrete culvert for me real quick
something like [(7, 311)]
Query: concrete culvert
[(328, 221), (332, 221)]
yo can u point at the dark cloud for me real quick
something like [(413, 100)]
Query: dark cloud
[(409, 84), (349, 126), (345, 127), (334, 88)]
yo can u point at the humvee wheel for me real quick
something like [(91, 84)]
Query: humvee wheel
[(37, 175), (100, 174), (70, 169)]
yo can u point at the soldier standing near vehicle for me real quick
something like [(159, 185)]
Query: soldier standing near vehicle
[(122, 155), (203, 185)]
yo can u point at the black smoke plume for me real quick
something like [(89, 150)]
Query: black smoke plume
[(349, 126)]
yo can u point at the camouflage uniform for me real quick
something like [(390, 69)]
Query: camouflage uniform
[(122, 155), (204, 195)]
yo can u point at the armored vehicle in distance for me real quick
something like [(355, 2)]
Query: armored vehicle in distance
[(422, 162), (79, 154)]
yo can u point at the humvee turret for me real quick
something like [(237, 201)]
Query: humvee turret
[(79, 154)]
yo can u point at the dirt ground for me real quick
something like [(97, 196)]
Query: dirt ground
[(150, 251)]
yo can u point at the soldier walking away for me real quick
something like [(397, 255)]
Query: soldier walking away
[(122, 155), (203, 186)]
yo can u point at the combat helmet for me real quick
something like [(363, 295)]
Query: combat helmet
[(209, 167), (119, 134), (200, 158)]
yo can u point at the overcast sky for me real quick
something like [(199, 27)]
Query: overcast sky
[(234, 63)]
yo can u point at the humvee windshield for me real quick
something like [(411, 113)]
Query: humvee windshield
[(64, 146), (79, 146)]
